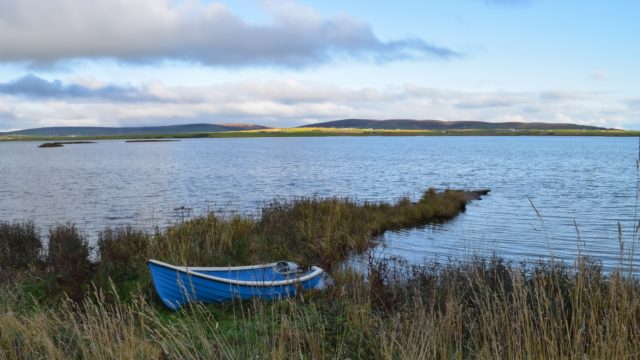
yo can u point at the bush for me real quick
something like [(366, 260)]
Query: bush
[(69, 268), (20, 248), (123, 253)]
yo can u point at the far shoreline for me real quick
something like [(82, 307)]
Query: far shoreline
[(332, 132)]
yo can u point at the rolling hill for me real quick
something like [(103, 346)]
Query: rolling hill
[(149, 130), (407, 124)]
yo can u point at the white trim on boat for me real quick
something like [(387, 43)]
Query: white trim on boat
[(218, 268), (193, 271)]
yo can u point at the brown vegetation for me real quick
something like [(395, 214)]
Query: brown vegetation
[(473, 309)]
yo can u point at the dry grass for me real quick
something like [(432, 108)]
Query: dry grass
[(474, 309), (471, 310)]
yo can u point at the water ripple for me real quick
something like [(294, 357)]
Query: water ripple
[(591, 181)]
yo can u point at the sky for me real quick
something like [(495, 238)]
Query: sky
[(288, 63)]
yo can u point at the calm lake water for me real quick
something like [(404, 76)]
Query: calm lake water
[(585, 181)]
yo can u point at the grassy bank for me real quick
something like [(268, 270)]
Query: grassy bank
[(476, 309), (319, 132)]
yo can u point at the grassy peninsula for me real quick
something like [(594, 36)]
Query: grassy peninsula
[(59, 302)]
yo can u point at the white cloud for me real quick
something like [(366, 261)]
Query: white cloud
[(46, 32), (289, 102)]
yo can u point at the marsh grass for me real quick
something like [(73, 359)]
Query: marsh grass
[(327, 231), (69, 269), (480, 308), (20, 249), (477, 309), (305, 230)]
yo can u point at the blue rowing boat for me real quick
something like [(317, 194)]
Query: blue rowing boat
[(179, 285)]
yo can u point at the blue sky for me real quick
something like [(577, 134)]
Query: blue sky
[(287, 63)]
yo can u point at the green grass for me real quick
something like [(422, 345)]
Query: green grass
[(473, 309), (318, 132)]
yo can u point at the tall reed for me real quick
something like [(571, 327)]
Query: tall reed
[(479, 308)]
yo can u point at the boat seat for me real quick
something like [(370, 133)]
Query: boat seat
[(286, 268)]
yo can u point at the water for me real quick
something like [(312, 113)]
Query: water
[(589, 180)]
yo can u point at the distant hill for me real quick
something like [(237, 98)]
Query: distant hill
[(148, 130), (407, 124)]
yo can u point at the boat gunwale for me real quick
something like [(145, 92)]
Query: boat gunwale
[(193, 271)]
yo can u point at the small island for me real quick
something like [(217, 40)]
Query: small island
[(150, 140), (63, 143)]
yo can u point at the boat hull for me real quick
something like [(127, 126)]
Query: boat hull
[(177, 286)]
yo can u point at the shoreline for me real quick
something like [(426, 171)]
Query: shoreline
[(331, 132)]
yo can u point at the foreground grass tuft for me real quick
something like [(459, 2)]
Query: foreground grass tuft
[(479, 309)]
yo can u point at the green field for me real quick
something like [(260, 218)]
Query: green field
[(315, 132)]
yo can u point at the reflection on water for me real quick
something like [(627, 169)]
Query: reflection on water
[(591, 181)]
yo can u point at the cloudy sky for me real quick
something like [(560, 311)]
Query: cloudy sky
[(287, 63)]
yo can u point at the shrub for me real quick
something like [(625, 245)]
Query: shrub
[(69, 268), (20, 248), (123, 253)]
